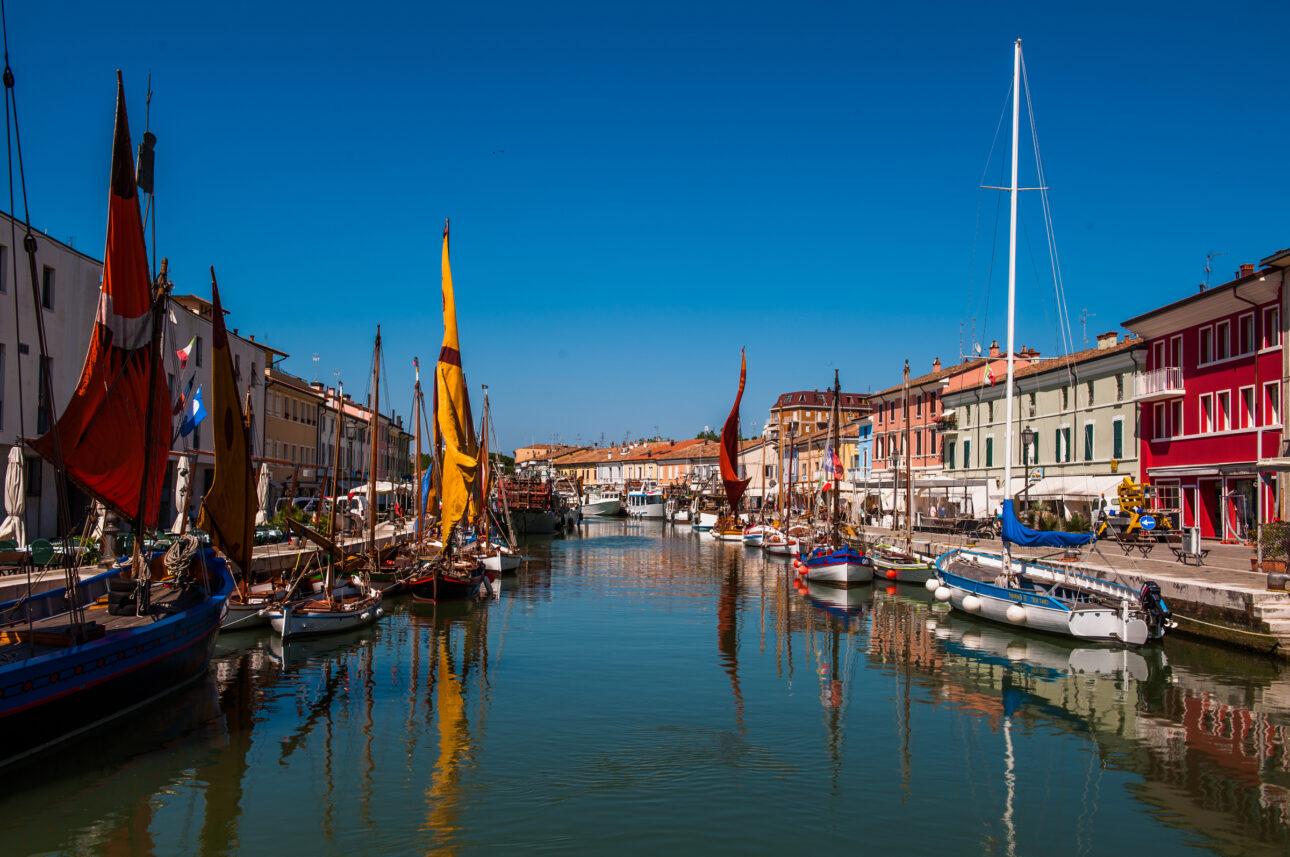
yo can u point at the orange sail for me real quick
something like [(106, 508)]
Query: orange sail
[(229, 507), (101, 434), (735, 486)]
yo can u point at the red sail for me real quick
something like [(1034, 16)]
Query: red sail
[(101, 431), (735, 486)]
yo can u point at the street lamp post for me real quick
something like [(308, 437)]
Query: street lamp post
[(1027, 438)]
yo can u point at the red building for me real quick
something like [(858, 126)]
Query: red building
[(1210, 401)]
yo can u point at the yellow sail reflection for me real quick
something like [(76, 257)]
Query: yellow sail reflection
[(444, 795)]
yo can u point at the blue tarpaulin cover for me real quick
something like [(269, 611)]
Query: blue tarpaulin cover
[(1019, 534)]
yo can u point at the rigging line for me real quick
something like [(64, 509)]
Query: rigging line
[(976, 232), (1050, 234), (13, 236)]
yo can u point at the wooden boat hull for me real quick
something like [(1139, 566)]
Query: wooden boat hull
[(52, 697), (781, 547), (290, 622), (1039, 611), (241, 616), (534, 522), (727, 535), (842, 567), (449, 588), (502, 563), (896, 571), (755, 535)]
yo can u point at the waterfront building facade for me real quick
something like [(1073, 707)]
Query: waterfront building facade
[(1079, 412), (292, 442), (394, 455), (1211, 402)]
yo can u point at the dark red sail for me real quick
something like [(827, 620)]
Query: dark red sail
[(101, 431), (735, 486)]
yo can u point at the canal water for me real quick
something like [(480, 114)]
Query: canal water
[(638, 690)]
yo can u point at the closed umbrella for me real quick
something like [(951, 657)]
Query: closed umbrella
[(15, 498), (183, 478), (262, 496)]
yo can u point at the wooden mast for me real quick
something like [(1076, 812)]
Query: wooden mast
[(909, 471), (837, 441), (374, 424), (416, 418), (339, 399)]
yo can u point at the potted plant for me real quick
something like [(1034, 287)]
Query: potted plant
[(1274, 542)]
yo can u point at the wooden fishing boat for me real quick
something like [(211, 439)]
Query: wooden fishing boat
[(727, 529), (777, 543), (899, 567), (831, 559), (78, 656), (754, 534)]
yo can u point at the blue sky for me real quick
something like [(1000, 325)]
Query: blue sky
[(638, 189)]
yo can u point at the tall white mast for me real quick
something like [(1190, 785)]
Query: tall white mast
[(1012, 272)]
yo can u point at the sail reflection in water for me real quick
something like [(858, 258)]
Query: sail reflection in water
[(639, 688)]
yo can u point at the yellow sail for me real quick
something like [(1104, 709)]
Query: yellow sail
[(452, 418)]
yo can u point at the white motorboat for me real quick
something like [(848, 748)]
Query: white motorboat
[(246, 613), (706, 520), (754, 533), (603, 504), (501, 559), (647, 503)]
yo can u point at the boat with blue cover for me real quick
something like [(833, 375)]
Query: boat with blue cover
[(1032, 593)]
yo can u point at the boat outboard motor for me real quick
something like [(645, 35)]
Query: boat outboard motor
[(1155, 608)]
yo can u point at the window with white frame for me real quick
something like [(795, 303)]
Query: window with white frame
[(1271, 327), (1206, 352), (1175, 350), (1245, 333), (1245, 408), (1207, 413), (1272, 403), (1224, 410), (1176, 418), (1088, 441), (1117, 438), (1158, 427), (1158, 354), (1222, 341)]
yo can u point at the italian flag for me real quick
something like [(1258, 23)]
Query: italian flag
[(989, 374), (185, 351)]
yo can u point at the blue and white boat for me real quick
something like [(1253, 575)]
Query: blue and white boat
[(51, 691), (1031, 593), (840, 566)]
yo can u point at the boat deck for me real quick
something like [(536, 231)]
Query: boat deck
[(20, 640)]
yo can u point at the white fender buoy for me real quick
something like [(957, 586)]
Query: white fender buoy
[(931, 584), (971, 604), (942, 593), (1016, 614)]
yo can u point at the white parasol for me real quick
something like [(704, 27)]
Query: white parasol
[(15, 498), (262, 496), (183, 478)]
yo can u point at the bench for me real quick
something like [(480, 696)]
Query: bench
[(1181, 552)]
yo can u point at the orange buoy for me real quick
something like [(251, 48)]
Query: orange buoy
[(891, 574)]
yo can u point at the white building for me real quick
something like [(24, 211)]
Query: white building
[(69, 292)]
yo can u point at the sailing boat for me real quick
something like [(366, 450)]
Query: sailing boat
[(229, 507), (832, 560), (67, 661), (496, 556), (1029, 593), (728, 528), (451, 575), (782, 541), (348, 602), (903, 566)]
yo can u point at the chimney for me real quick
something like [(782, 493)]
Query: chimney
[(1107, 340), (1245, 271), (936, 364), (994, 348)]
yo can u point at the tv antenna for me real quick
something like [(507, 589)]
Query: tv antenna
[(1084, 316), (1209, 266)]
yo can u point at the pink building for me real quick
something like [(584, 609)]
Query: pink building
[(1210, 402)]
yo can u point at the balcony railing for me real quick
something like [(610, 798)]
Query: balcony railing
[(1163, 383)]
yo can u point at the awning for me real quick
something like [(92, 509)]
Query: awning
[(1073, 487)]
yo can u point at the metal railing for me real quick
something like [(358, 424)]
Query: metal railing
[(1157, 382)]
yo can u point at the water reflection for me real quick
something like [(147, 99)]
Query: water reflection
[(615, 720)]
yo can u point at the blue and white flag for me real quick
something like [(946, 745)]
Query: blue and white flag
[(194, 413)]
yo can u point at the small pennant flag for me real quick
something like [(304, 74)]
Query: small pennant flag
[(194, 413), (183, 395), (185, 351)]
